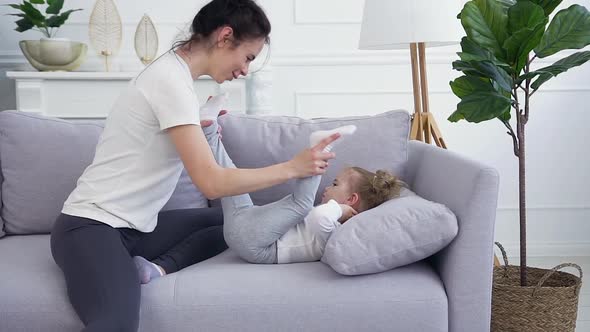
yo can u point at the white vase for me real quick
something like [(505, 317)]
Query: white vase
[(56, 51), (32, 51)]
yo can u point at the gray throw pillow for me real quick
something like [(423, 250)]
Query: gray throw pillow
[(396, 233), (41, 159)]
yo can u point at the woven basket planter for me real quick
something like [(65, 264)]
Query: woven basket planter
[(548, 303)]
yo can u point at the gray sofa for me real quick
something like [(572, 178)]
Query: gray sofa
[(41, 158)]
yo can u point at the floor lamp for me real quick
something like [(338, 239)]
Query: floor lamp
[(416, 24)]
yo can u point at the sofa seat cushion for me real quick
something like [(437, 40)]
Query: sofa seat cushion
[(225, 293)]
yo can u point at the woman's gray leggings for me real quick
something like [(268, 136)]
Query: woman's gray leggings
[(252, 231)]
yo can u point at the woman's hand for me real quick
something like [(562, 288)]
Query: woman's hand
[(313, 161), (347, 213)]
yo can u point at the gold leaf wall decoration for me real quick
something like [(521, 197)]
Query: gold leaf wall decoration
[(146, 40), (105, 29)]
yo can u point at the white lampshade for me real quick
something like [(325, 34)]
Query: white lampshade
[(394, 24)]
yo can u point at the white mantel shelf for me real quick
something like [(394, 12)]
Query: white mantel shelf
[(71, 75), (77, 75), (79, 94)]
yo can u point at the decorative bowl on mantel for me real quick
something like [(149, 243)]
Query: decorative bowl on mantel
[(54, 54)]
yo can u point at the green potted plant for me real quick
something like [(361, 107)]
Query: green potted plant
[(48, 53), (503, 39)]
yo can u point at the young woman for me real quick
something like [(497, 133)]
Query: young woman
[(152, 131)]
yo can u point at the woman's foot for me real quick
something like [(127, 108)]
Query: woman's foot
[(147, 270)]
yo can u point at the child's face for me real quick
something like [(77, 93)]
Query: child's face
[(340, 189)]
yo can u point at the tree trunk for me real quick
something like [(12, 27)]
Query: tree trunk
[(522, 201)]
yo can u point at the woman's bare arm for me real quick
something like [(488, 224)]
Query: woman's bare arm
[(215, 181)]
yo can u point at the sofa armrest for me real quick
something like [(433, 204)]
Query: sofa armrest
[(470, 190), (2, 233)]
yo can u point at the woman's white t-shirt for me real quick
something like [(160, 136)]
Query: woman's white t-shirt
[(136, 166)]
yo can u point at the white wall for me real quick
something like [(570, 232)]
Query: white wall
[(318, 71)]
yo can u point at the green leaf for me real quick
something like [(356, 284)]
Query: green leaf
[(468, 68), (485, 69), (505, 117), (54, 6), (528, 75), (555, 69), (526, 23), (33, 14), (38, 2), (58, 20), (15, 6), (467, 85), (55, 21), (561, 66), (542, 79), (456, 116), (521, 43), (19, 15), (24, 24), (525, 14), (473, 52), (506, 3), (486, 23), (481, 106), (547, 5), (569, 29), (495, 73)]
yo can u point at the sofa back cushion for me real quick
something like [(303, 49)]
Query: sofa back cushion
[(380, 142), (41, 159)]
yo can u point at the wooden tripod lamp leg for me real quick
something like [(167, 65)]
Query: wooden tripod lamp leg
[(426, 127), (417, 129), (424, 92), (436, 134), (429, 127)]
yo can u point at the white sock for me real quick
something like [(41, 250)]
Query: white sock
[(210, 110), (157, 268), (146, 270), (319, 135)]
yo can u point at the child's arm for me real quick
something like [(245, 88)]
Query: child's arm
[(323, 219)]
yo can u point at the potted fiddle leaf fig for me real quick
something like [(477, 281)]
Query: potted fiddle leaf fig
[(48, 53), (503, 39)]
